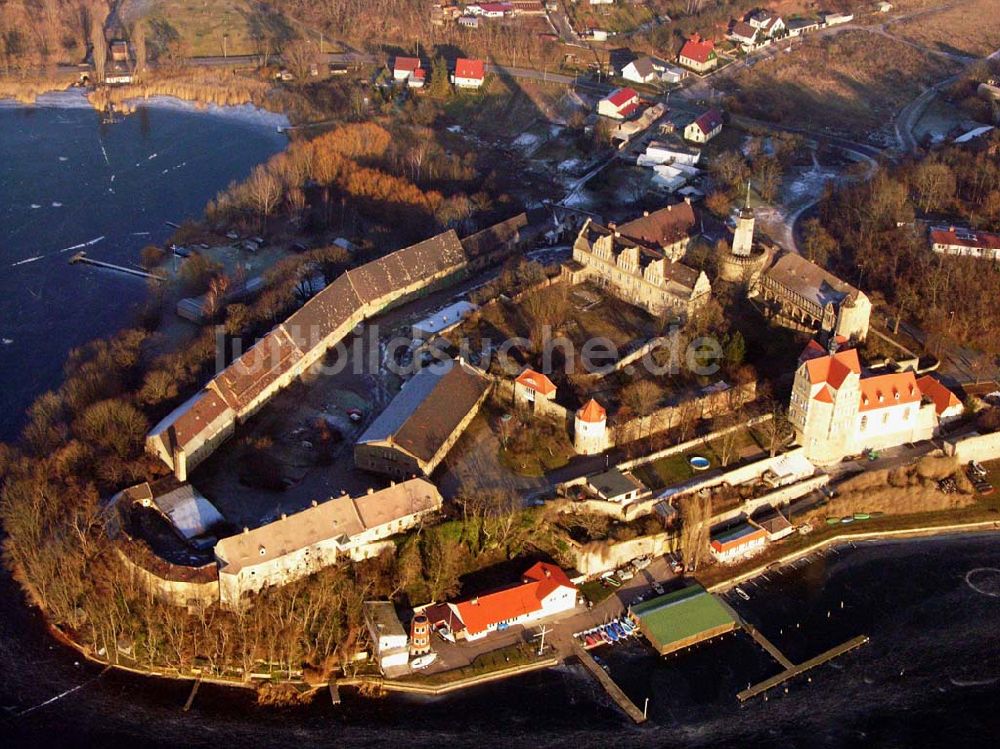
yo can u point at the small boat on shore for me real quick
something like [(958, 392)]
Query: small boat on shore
[(861, 516), (847, 519)]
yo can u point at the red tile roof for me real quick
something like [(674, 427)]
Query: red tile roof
[(466, 68), (888, 390), (698, 49), (592, 412), (966, 238), (941, 396), (662, 228), (536, 381), (480, 613), (709, 121), (407, 63), (630, 109), (622, 96), (833, 369)]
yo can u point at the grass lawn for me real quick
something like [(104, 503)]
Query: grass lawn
[(676, 468), (968, 28), (594, 592), (199, 25)]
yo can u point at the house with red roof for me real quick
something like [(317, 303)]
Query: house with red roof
[(404, 67), (619, 104), (705, 127), (531, 385), (946, 403), (544, 590), (837, 409), (469, 73), (698, 54), (953, 240)]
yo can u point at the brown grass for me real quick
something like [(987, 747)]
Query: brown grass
[(900, 491), (26, 90), (853, 83), (971, 28)]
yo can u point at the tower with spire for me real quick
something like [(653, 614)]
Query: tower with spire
[(743, 236)]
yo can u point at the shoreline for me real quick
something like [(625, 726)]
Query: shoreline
[(940, 532)]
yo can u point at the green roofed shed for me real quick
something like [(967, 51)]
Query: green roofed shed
[(682, 618)]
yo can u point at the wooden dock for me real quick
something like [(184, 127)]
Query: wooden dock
[(769, 646), (614, 691), (194, 692), (81, 257), (334, 692), (793, 671)]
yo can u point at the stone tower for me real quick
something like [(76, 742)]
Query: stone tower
[(590, 429), (743, 236)]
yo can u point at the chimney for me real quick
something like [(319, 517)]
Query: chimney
[(370, 491), (245, 529), (645, 214), (475, 601), (687, 199), (284, 516), (548, 572), (314, 503)]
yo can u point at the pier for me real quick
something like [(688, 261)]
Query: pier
[(769, 646), (793, 671), (614, 691), (81, 257), (194, 692)]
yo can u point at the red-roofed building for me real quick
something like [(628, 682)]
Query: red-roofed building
[(469, 73), (698, 54), (417, 78), (705, 127), (544, 590), (959, 241), (946, 403), (619, 104), (590, 429), (404, 67), (530, 385), (838, 410)]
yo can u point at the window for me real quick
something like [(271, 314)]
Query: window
[(864, 423)]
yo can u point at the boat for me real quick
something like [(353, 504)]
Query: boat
[(423, 661), (605, 637), (590, 641), (742, 594), (610, 632), (847, 519), (832, 521), (628, 626), (617, 629), (861, 516)]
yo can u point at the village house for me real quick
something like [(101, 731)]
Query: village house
[(737, 542), (422, 423), (527, 7), (672, 151), (801, 26), (489, 10), (339, 529), (650, 70), (670, 229), (705, 127), (531, 385), (544, 591), (966, 242), (698, 54), (469, 22), (617, 486), (837, 410), (469, 73), (404, 67), (836, 19), (810, 297), (636, 273), (766, 21), (390, 644), (946, 404), (744, 34), (619, 104)]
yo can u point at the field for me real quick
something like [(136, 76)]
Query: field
[(969, 28), (198, 26), (853, 83)]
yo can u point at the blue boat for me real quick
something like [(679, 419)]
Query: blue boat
[(611, 633), (628, 626)]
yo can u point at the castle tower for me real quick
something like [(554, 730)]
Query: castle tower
[(590, 429), (420, 635), (743, 236)]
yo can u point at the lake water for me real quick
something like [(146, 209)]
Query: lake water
[(930, 677), (69, 182)]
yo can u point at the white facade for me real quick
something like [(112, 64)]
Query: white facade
[(590, 430)]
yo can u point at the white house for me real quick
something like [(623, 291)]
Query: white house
[(531, 385), (469, 73), (959, 241), (650, 70), (738, 542), (619, 104), (390, 644), (617, 486), (339, 529), (404, 67), (544, 591), (705, 127), (835, 19), (660, 152)]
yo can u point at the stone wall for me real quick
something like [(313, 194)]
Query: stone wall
[(201, 591), (598, 556), (977, 447), (703, 407)]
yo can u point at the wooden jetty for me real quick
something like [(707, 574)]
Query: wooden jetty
[(769, 646), (194, 691), (613, 690), (334, 692), (791, 673), (81, 257)]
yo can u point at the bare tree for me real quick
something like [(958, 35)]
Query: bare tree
[(139, 48), (100, 47), (299, 56), (264, 192), (696, 513)]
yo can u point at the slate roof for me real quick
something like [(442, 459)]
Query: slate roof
[(808, 280), (428, 409), (493, 237), (323, 314), (615, 483)]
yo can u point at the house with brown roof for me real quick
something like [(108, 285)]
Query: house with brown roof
[(807, 296), (494, 243), (191, 432), (330, 532), (423, 422), (952, 240), (670, 229), (698, 54), (637, 272)]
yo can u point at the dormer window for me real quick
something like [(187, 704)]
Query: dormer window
[(262, 550)]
